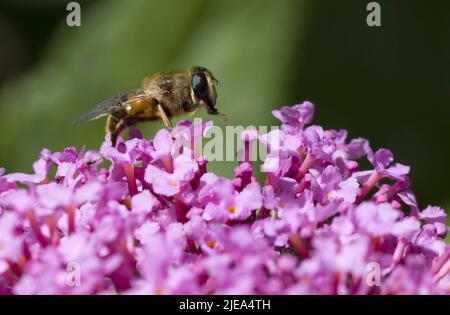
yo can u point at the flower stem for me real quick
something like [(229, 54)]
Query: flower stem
[(399, 253), (52, 224), (131, 179), (180, 209), (445, 269), (441, 266), (14, 267), (306, 165), (71, 218), (31, 216), (168, 164), (368, 185), (393, 190), (298, 245)]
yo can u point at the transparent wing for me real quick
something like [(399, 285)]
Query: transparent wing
[(112, 104)]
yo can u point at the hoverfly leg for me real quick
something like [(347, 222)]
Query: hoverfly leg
[(111, 126), (121, 126), (89, 163), (118, 128), (164, 117)]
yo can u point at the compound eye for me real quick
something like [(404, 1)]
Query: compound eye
[(199, 85)]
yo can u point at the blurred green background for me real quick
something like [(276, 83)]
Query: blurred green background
[(390, 84)]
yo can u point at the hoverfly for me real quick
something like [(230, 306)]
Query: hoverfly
[(162, 96)]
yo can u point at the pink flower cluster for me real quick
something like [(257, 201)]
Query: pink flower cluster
[(155, 221)]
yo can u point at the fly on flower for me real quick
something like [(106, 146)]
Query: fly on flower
[(162, 96)]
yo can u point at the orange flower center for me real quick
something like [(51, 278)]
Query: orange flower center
[(231, 209)]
